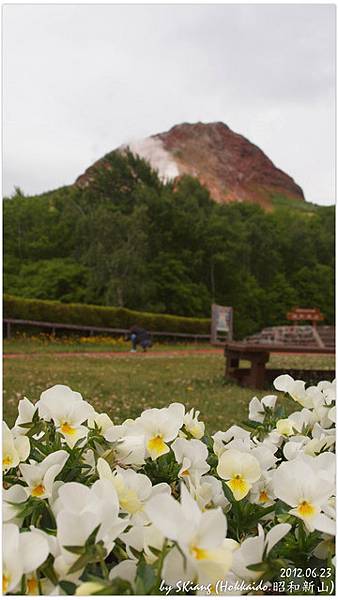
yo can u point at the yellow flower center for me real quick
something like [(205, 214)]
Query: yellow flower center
[(199, 553), (129, 501), (195, 431), (5, 583), (67, 429), (156, 445), (38, 490), (185, 473), (7, 460), (263, 497), (32, 585), (306, 509), (239, 486)]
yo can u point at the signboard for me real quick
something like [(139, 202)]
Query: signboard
[(221, 323), (305, 314)]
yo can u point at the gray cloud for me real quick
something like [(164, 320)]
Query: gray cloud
[(80, 80)]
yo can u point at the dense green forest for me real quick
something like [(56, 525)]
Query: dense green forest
[(130, 240)]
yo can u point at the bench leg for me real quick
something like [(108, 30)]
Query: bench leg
[(256, 377), (231, 363)]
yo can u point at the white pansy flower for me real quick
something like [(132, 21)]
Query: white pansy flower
[(265, 454), (192, 455), (233, 435), (274, 440), (262, 492), (143, 538), (67, 410), (201, 536), (317, 445), (160, 426), (80, 510), (102, 421), (263, 451), (40, 476), (285, 427), (133, 489), (131, 451), (208, 492), (22, 554), (88, 457), (34, 583), (15, 448), (26, 410), (61, 567), (192, 425), (325, 547), (257, 407), (294, 446), (125, 570), (332, 414), (303, 485), (319, 432), (302, 420), (328, 389), (11, 501), (321, 411), (240, 469), (129, 443), (296, 389), (217, 495), (177, 568), (252, 549)]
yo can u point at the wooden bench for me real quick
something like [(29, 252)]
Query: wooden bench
[(258, 355)]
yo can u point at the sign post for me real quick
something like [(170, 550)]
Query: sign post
[(305, 314), (221, 323)]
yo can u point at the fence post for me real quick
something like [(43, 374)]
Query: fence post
[(8, 329)]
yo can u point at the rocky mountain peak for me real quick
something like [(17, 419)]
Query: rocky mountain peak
[(230, 166)]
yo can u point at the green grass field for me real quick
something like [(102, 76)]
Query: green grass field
[(45, 343), (124, 386)]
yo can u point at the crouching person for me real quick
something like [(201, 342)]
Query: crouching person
[(139, 336)]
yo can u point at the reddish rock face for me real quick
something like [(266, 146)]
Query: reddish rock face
[(232, 168)]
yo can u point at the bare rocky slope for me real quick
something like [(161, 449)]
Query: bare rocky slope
[(229, 165)]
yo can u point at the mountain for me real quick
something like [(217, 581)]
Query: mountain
[(229, 165)]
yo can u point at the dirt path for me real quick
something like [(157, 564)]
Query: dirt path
[(133, 355), (166, 354)]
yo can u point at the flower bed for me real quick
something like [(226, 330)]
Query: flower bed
[(157, 506)]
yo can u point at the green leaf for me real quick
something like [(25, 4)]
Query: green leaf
[(36, 415), (91, 538), (26, 425), (68, 587), (48, 570), (75, 549), (79, 564), (145, 578), (228, 493), (261, 566)]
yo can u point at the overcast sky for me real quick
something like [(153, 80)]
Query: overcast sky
[(80, 80)]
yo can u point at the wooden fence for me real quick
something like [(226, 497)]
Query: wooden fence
[(91, 330)]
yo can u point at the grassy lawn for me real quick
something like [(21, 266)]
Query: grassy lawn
[(124, 386), (45, 343)]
